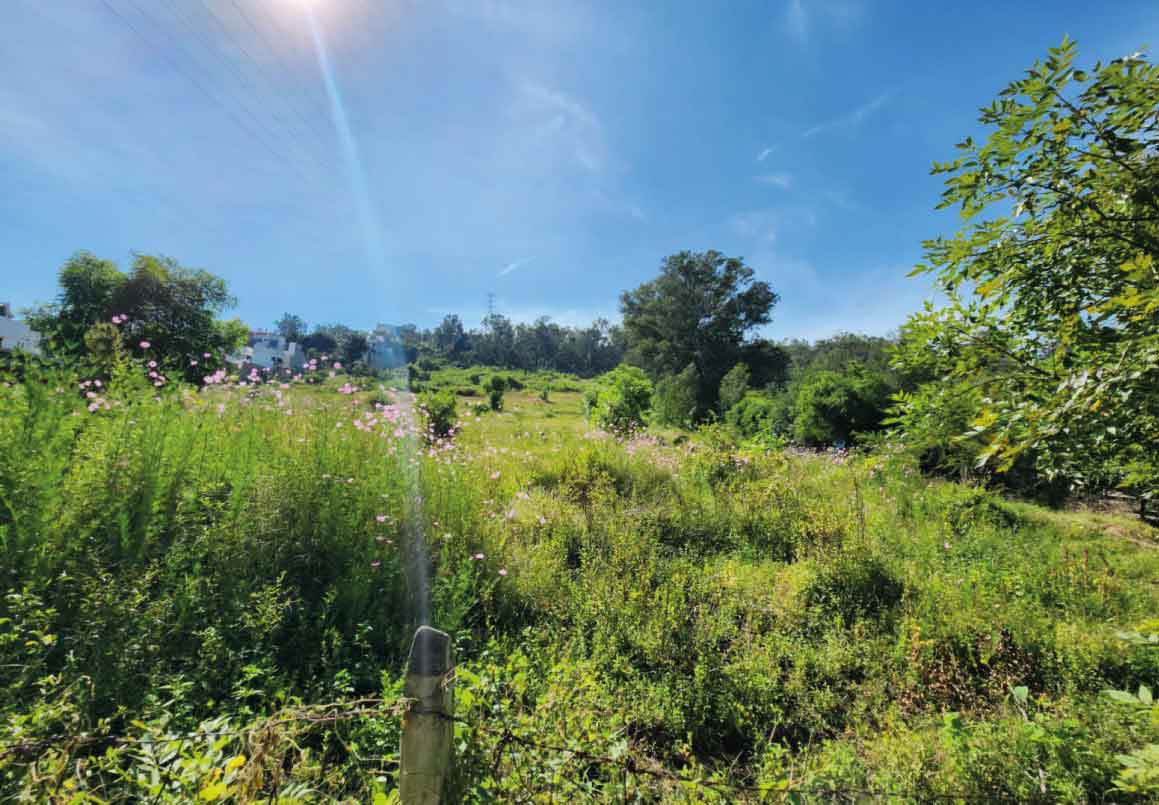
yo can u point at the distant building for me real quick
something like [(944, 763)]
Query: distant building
[(15, 334), (385, 350), (267, 350)]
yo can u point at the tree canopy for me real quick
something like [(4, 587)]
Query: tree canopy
[(159, 303), (1053, 321), (700, 312)]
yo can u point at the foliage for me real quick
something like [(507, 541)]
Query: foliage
[(1054, 311), (496, 386), (291, 327), (439, 411), (698, 311), (831, 407), (674, 402), (733, 386), (160, 308), (185, 569), (620, 400)]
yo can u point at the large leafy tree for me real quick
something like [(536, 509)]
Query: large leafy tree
[(451, 338), (1053, 320), (291, 327), (159, 302), (698, 312)]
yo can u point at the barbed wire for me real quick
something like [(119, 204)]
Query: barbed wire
[(378, 707)]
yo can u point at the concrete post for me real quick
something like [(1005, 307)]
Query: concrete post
[(426, 726)]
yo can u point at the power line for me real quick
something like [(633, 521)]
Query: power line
[(176, 66), (277, 54), (257, 64), (242, 81)]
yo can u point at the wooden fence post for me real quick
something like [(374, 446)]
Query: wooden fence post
[(426, 726)]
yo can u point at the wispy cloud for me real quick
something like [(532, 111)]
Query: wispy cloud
[(759, 224), (851, 119), (507, 269), (781, 180), (802, 17), (569, 120), (797, 20), (764, 154)]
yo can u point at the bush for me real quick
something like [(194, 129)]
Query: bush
[(498, 384), (675, 398), (620, 400), (439, 411), (733, 386), (513, 383), (832, 407)]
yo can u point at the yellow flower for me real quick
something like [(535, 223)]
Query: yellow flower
[(235, 762)]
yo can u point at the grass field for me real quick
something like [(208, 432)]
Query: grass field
[(672, 617)]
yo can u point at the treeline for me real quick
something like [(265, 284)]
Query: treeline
[(542, 345)]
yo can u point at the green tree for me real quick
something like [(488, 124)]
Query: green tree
[(675, 399), (1054, 290), (291, 327), (451, 339), (835, 407), (699, 311), (159, 302), (87, 288), (733, 386)]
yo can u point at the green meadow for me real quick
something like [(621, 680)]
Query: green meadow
[(670, 616)]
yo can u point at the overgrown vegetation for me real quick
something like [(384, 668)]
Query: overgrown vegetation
[(739, 571)]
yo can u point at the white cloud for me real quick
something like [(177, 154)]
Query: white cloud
[(507, 269), (764, 154), (851, 119), (781, 180)]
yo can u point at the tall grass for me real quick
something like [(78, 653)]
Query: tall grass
[(775, 620)]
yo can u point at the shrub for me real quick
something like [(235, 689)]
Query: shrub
[(733, 386), (620, 400), (513, 383), (832, 407), (752, 415), (439, 410), (675, 398), (498, 384)]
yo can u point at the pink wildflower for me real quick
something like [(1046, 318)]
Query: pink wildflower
[(145, 345)]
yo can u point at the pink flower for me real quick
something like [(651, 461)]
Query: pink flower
[(152, 364), (193, 362), (337, 365), (495, 475), (502, 571), (145, 345), (381, 518), (376, 564), (478, 557)]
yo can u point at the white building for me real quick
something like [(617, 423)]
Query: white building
[(269, 351), (16, 335)]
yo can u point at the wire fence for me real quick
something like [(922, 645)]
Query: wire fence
[(560, 787)]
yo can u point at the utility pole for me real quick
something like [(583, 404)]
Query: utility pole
[(490, 304)]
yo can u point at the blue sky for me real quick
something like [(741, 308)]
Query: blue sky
[(549, 152)]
